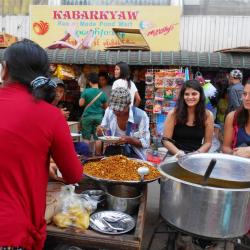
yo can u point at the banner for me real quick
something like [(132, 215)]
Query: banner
[(92, 26)]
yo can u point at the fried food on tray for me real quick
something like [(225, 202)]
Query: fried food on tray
[(119, 168)]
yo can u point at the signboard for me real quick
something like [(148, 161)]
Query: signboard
[(6, 40), (92, 26)]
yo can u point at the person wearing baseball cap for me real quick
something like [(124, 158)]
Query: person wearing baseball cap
[(235, 90), (129, 123)]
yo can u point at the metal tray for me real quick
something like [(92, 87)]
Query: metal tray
[(227, 167), (120, 181), (127, 222)]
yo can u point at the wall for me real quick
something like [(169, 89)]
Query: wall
[(211, 33), (198, 33)]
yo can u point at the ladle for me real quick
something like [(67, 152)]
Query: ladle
[(143, 171), (209, 171)]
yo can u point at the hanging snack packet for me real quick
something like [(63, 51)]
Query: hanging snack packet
[(149, 78), (149, 92), (65, 72)]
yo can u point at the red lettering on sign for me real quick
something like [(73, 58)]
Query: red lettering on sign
[(76, 14), (165, 30), (113, 14), (103, 15), (66, 15), (57, 14), (95, 15), (132, 15), (84, 15)]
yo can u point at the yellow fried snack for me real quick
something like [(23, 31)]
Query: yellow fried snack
[(75, 217), (119, 168), (62, 220), (75, 211), (82, 222)]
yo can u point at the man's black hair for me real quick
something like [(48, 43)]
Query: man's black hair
[(93, 78)]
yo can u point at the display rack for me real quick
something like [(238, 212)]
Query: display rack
[(161, 93)]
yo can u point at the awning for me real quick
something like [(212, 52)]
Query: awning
[(148, 58)]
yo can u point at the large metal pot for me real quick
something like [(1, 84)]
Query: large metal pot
[(218, 210)]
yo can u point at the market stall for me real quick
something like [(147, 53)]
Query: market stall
[(90, 238), (123, 195)]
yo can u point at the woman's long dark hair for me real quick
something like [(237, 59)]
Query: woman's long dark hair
[(26, 60), (242, 114), (124, 72), (181, 112)]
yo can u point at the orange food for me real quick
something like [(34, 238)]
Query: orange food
[(119, 168)]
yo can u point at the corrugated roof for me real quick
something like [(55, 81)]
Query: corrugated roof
[(115, 2), (183, 58), (242, 49)]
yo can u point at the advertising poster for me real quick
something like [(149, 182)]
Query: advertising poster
[(93, 27)]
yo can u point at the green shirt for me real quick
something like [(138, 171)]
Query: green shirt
[(96, 108)]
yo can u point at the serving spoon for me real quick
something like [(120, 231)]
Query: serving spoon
[(142, 171)]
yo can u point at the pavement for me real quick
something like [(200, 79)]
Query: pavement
[(152, 220)]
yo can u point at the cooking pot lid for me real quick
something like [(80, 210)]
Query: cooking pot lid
[(227, 167)]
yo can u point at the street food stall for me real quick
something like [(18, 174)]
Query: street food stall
[(125, 198)]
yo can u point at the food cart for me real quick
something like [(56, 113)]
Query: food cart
[(90, 238)]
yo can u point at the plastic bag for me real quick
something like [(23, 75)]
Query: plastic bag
[(72, 210), (52, 198)]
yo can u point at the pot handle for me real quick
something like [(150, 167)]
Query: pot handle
[(209, 171)]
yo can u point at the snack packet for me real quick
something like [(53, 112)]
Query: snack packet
[(72, 211)]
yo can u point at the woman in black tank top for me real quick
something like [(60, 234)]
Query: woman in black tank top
[(189, 126)]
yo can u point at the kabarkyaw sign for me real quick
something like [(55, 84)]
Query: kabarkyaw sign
[(93, 26)]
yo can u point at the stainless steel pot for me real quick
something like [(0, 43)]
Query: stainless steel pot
[(211, 211), (123, 198)]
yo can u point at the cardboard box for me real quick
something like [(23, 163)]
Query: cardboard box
[(6, 40)]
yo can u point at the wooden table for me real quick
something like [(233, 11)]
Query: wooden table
[(92, 239)]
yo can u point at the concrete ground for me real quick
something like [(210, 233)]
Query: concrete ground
[(152, 219)]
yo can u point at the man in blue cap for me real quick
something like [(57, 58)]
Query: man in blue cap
[(235, 90)]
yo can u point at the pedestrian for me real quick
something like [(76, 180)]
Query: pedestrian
[(237, 128), (122, 76), (58, 101), (104, 83), (189, 126), (31, 131), (95, 102), (235, 90)]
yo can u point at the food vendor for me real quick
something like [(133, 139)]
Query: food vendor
[(31, 131), (131, 124)]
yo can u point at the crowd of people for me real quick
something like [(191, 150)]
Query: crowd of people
[(34, 130)]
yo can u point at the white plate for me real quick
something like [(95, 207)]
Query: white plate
[(110, 139), (75, 134), (127, 222)]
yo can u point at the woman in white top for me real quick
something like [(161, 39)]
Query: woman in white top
[(122, 76)]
